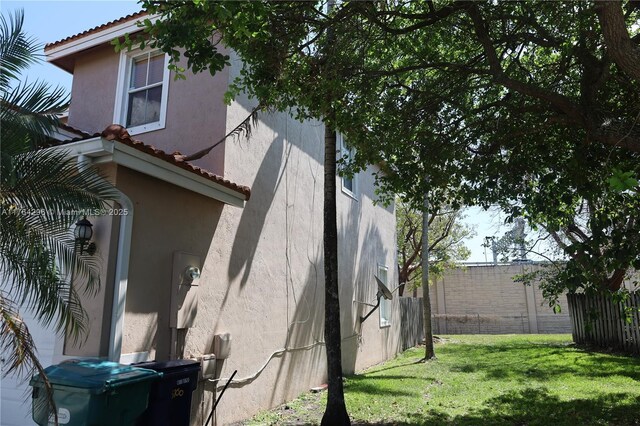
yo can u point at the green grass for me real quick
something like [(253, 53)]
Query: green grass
[(487, 380)]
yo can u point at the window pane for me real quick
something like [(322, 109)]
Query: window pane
[(347, 183), (156, 69), (382, 275), (136, 109), (154, 98), (385, 305), (139, 73)]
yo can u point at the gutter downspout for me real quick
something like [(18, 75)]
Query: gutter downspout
[(121, 272), (121, 278)]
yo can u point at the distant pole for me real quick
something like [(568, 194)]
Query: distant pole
[(494, 249), (429, 352)]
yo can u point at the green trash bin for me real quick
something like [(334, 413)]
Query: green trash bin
[(91, 392)]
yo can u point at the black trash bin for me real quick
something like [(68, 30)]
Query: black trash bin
[(170, 397)]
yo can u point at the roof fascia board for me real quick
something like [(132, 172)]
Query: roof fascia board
[(155, 167), (101, 149), (94, 147), (95, 39)]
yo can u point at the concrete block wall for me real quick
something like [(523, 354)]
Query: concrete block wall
[(484, 299)]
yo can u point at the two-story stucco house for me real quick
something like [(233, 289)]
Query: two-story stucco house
[(246, 218)]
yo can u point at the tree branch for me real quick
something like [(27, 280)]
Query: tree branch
[(624, 52), (559, 102)]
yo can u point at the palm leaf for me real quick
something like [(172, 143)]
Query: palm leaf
[(30, 111), (17, 51), (14, 334), (42, 194)]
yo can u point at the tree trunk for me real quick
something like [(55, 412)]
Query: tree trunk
[(401, 281), (429, 352), (336, 410), (614, 283), (620, 47)]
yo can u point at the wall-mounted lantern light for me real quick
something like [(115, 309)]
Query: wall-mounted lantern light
[(83, 234), (191, 273)]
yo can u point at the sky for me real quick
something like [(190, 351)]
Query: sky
[(49, 21)]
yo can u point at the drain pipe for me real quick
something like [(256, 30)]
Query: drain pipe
[(121, 278), (122, 270)]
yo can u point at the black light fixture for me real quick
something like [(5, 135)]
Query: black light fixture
[(83, 234)]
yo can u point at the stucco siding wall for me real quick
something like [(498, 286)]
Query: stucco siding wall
[(93, 90), (97, 302), (485, 299), (262, 265), (268, 272), (196, 113), (366, 240), (265, 265), (167, 219)]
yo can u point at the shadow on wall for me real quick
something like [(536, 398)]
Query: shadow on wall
[(307, 324), (358, 287), (304, 366), (255, 212), (167, 219), (308, 360)]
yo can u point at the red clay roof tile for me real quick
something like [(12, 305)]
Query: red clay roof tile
[(94, 30), (71, 129), (116, 132)]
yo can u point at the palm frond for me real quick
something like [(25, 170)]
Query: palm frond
[(42, 197), (18, 348), (42, 194), (31, 110), (245, 128), (28, 111), (17, 51), (51, 183), (38, 279)]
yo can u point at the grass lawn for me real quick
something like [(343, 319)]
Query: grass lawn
[(486, 380)]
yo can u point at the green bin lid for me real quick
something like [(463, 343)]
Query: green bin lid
[(94, 375)]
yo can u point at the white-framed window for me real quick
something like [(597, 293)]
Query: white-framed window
[(142, 92), (385, 305), (349, 184)]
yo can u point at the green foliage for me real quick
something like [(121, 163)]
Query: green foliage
[(41, 195), (446, 242), (622, 181), (522, 105)]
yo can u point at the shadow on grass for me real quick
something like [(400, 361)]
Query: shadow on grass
[(406, 364), (382, 385), (535, 407)]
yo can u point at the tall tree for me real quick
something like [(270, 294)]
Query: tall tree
[(246, 27), (41, 195), (433, 251), (447, 233), (530, 106)]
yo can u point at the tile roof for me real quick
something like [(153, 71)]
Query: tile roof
[(74, 130), (116, 132), (99, 28)]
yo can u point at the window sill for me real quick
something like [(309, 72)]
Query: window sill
[(145, 128), (385, 324), (349, 194)]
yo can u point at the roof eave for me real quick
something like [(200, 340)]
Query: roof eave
[(101, 150), (56, 53)]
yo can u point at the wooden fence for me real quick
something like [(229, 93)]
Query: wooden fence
[(598, 320), (411, 322)]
